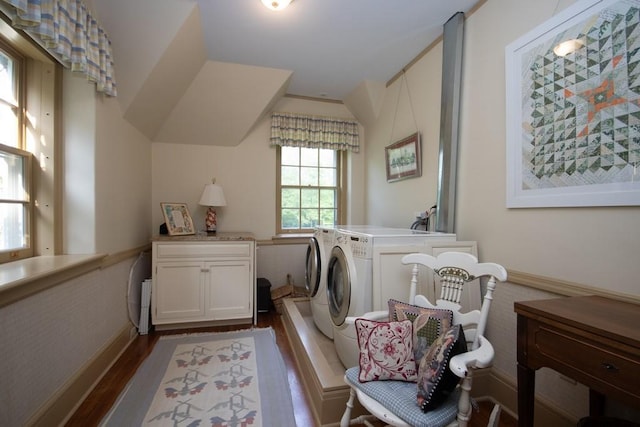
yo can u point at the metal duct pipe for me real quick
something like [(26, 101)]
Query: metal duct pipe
[(452, 39)]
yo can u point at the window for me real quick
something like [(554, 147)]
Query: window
[(308, 188), (16, 208), (29, 157)]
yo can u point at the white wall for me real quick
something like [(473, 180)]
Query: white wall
[(246, 172), (597, 247), (54, 334), (79, 196), (123, 181), (107, 174), (409, 105)]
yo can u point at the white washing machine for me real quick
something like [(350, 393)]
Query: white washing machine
[(317, 260), (357, 257)]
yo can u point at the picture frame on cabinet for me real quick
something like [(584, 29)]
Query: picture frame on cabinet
[(403, 158), (573, 109), (177, 218)]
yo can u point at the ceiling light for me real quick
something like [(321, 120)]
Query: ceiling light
[(276, 4), (567, 47)]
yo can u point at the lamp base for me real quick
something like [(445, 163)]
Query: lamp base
[(211, 221)]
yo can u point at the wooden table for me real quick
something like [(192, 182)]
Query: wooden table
[(592, 339)]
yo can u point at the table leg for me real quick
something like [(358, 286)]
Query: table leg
[(526, 392)]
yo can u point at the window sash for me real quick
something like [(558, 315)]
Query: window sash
[(302, 210), (16, 164), (16, 204)]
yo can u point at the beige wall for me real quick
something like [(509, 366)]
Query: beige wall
[(123, 181), (597, 247), (246, 173), (107, 174)]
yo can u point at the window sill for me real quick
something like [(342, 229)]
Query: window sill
[(287, 239), (23, 278)]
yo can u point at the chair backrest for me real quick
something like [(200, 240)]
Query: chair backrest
[(455, 269)]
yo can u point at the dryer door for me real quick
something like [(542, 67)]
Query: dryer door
[(338, 286), (313, 268)]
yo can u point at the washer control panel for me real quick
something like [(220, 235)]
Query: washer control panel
[(361, 245)]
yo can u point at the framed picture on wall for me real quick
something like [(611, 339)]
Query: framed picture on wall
[(403, 158), (177, 218), (573, 109)]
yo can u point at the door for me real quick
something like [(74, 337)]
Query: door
[(338, 286), (313, 268)]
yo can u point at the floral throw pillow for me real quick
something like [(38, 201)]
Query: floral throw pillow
[(435, 379), (386, 350), (428, 323)]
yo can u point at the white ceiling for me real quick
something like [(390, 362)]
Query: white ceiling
[(165, 50), (330, 45)]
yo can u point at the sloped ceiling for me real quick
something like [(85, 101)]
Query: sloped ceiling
[(206, 71)]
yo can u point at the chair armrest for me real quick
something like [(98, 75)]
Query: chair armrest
[(481, 357), (381, 316)]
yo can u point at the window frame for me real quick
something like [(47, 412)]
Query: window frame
[(340, 198), (40, 114), (20, 83)]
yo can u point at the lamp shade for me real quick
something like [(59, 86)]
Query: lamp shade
[(212, 195)]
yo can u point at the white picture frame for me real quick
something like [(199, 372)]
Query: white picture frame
[(565, 139)]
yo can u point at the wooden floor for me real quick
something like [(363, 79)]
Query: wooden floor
[(100, 400)]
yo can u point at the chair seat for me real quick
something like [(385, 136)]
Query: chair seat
[(400, 397)]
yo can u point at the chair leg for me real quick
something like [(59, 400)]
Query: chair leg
[(346, 417), (464, 404)]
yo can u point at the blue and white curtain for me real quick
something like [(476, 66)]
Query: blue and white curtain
[(69, 32), (300, 130)]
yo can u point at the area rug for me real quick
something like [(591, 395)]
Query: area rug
[(228, 379)]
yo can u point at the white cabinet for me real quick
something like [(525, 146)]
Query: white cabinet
[(392, 279), (203, 279)]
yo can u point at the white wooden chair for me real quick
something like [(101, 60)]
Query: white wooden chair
[(396, 402)]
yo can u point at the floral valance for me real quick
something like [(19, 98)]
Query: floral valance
[(299, 130), (68, 31)]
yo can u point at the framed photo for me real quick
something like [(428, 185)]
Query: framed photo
[(177, 218), (403, 158), (573, 116)]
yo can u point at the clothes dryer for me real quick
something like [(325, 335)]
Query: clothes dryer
[(350, 276), (320, 245)]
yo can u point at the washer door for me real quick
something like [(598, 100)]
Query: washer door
[(313, 268), (338, 286)]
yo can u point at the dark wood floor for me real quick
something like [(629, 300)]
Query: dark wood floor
[(100, 400)]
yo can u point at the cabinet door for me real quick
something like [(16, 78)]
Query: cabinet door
[(230, 290), (178, 292), (392, 279)]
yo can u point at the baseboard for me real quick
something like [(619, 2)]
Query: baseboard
[(66, 400), (492, 385)]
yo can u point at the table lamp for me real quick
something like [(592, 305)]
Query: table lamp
[(212, 196)]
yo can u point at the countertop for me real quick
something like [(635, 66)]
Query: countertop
[(206, 237)]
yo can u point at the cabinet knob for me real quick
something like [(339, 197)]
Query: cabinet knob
[(610, 367), (204, 270)]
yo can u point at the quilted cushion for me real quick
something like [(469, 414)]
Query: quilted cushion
[(428, 323), (386, 350), (435, 379), (400, 398)]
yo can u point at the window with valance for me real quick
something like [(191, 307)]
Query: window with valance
[(310, 169), (300, 130), (66, 29)]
